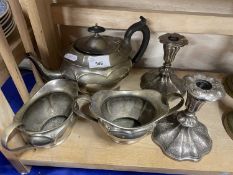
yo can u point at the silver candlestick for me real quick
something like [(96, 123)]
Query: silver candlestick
[(164, 80), (181, 136)]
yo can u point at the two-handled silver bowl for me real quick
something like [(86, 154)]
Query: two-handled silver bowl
[(46, 119), (127, 116)]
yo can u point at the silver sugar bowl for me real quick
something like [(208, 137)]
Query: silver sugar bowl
[(127, 116)]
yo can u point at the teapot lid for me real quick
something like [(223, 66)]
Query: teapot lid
[(96, 44)]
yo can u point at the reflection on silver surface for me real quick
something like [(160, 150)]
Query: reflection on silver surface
[(127, 116), (98, 61), (181, 136), (46, 119), (164, 80)]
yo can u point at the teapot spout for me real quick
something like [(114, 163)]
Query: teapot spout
[(45, 73)]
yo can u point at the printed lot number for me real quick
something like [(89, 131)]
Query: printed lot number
[(99, 61)]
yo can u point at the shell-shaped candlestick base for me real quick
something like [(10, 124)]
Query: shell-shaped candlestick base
[(181, 136), (180, 142)]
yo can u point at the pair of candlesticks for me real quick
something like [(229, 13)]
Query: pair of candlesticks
[(181, 136)]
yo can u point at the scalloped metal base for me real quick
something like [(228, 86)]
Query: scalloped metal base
[(163, 81), (180, 142)]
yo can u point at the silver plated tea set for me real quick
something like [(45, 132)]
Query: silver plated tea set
[(83, 87)]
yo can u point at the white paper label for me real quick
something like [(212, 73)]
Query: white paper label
[(71, 57), (99, 61)]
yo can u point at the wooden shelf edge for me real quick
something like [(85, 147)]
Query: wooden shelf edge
[(184, 22), (115, 168)]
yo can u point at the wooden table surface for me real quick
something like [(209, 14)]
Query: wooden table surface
[(89, 147)]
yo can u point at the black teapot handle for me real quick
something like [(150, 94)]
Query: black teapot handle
[(139, 26)]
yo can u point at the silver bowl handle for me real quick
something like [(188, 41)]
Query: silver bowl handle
[(78, 108), (177, 106), (7, 135)]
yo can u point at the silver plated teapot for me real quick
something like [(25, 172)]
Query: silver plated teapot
[(97, 61)]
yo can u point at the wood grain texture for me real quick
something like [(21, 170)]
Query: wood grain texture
[(12, 66), (24, 33), (44, 31), (158, 21), (18, 52), (21, 25), (6, 117), (89, 147), (204, 6)]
